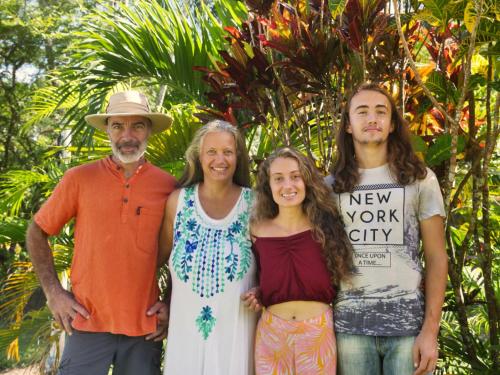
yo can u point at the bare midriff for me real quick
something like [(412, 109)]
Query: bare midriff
[(298, 310)]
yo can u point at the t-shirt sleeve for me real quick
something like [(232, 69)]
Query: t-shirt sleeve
[(329, 179), (430, 197), (61, 206)]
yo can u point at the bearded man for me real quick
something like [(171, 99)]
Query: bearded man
[(112, 314)]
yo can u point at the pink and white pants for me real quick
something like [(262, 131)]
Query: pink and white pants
[(289, 347)]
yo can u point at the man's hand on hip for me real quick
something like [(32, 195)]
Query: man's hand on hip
[(64, 308)]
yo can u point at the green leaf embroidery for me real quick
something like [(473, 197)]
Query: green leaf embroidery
[(205, 322)]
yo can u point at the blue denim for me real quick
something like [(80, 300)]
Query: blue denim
[(374, 355)]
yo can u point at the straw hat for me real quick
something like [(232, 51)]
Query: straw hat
[(129, 103)]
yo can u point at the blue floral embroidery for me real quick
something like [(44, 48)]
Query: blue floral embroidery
[(187, 259), (236, 227), (191, 224), (209, 257), (232, 261), (205, 322), (191, 247), (177, 236)]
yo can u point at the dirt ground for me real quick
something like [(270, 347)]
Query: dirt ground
[(21, 371)]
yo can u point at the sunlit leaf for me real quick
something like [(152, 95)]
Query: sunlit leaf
[(441, 149)]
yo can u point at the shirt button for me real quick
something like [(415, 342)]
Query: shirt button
[(127, 186), (125, 200)]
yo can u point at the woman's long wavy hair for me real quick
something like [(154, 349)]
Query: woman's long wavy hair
[(318, 206), (193, 173), (404, 164)]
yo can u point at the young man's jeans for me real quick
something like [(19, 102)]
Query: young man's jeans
[(374, 355)]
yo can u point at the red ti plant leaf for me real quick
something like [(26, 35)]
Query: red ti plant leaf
[(237, 85), (233, 31), (360, 21), (229, 116), (355, 36)]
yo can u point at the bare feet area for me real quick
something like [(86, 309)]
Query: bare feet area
[(21, 371)]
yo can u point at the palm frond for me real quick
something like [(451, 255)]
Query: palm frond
[(34, 331), (15, 186), (12, 229), (166, 149)]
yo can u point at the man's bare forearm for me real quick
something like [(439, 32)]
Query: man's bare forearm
[(42, 259), (436, 270), (435, 286)]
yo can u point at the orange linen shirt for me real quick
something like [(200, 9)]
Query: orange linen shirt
[(117, 223)]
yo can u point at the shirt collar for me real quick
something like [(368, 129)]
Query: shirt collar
[(116, 168)]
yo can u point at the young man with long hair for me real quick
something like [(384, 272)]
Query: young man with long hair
[(385, 323)]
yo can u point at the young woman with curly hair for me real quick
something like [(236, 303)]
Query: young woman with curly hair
[(303, 253)]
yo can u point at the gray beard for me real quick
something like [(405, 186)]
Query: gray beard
[(129, 159)]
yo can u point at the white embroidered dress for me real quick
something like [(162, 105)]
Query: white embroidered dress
[(210, 330)]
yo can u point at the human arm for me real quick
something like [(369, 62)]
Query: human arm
[(425, 351), (166, 237), (162, 308), (61, 303), (162, 311), (252, 298)]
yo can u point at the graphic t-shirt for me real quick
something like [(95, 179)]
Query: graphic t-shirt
[(381, 217)]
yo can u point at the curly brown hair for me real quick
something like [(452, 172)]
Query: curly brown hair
[(318, 206), (404, 164)]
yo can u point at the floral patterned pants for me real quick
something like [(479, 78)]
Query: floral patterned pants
[(287, 347)]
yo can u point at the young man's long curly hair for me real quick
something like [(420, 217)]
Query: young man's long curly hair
[(318, 206), (404, 165)]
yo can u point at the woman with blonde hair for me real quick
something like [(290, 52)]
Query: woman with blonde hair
[(206, 239), (302, 253)]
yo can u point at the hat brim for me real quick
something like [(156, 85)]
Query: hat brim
[(159, 121)]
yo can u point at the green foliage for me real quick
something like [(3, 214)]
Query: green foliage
[(146, 46), (15, 185), (34, 36), (12, 229), (441, 150), (440, 12), (337, 7), (166, 149)]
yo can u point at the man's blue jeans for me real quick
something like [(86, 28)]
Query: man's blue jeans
[(374, 355)]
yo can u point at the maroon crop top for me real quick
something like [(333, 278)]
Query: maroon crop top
[(292, 268)]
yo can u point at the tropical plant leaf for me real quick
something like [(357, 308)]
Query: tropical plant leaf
[(144, 45), (441, 149), (14, 187), (12, 229), (166, 149), (441, 87), (419, 144), (337, 7)]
